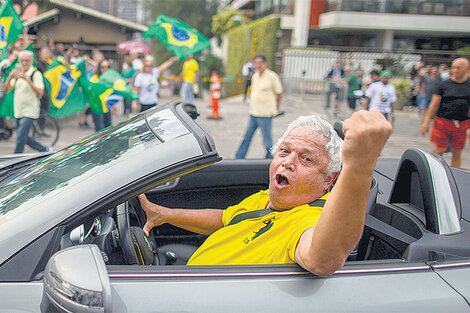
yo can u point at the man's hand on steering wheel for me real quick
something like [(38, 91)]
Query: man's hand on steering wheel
[(156, 214)]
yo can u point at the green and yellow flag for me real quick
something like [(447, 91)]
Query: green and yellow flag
[(112, 79), (178, 37), (7, 106), (100, 97), (62, 84), (10, 26)]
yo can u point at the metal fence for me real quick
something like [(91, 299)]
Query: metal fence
[(304, 70)]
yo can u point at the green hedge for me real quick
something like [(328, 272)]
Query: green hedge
[(263, 41), (402, 87)]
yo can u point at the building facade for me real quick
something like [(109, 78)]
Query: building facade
[(131, 10), (369, 24)]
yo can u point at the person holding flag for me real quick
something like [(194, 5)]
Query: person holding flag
[(105, 119), (147, 85), (44, 59), (184, 41), (29, 88)]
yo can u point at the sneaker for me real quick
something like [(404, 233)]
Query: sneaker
[(49, 149)]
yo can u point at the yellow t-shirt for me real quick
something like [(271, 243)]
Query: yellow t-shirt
[(271, 239), (190, 67), (264, 91)]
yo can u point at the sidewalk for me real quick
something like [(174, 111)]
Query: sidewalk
[(228, 132)]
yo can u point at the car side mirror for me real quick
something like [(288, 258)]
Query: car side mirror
[(191, 109), (76, 280)]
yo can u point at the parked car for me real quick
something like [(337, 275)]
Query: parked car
[(71, 237)]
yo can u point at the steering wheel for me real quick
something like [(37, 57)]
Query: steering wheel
[(136, 247)]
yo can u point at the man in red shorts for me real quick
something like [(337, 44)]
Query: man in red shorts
[(451, 103)]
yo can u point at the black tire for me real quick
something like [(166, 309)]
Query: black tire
[(46, 130)]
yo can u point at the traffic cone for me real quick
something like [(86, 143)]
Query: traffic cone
[(215, 96)]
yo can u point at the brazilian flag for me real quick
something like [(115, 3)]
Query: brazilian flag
[(100, 97), (112, 79), (62, 83), (178, 37), (7, 106), (10, 26)]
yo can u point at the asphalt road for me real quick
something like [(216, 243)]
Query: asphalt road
[(228, 131)]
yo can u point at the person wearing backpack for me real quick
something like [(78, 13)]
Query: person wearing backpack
[(29, 88)]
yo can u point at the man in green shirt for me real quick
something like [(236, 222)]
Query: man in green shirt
[(353, 85)]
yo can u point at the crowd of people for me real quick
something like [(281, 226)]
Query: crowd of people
[(437, 90), (440, 94), (31, 98)]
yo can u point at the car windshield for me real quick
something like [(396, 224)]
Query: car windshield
[(84, 159)]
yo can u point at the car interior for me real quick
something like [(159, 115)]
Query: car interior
[(393, 228)]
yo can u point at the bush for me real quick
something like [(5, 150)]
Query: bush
[(263, 41), (464, 52), (402, 87)]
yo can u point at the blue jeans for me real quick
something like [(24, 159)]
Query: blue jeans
[(23, 128), (187, 92), (265, 125), (127, 106), (101, 120), (423, 101)]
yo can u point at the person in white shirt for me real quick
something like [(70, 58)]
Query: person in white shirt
[(146, 83), (381, 95), (248, 70), (137, 63)]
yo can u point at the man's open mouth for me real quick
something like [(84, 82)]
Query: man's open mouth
[(282, 180)]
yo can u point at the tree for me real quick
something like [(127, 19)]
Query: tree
[(222, 21), (197, 13)]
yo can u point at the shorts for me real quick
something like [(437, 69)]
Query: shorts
[(423, 101), (444, 130)]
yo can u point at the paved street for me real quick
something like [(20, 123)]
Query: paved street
[(228, 131)]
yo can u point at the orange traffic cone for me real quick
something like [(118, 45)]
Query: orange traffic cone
[(215, 96)]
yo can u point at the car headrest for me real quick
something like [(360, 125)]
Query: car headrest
[(142, 247)]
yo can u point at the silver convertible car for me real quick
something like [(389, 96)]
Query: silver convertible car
[(71, 237)]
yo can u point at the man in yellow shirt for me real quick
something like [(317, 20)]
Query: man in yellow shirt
[(290, 225), (266, 94), (189, 76)]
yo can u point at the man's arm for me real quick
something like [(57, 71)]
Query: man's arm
[(204, 221), (366, 103), (433, 106), (369, 94), (39, 91), (278, 100), (167, 64), (324, 249), (7, 87)]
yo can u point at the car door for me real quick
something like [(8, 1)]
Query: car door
[(367, 286)]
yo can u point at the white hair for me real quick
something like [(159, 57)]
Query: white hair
[(27, 53), (316, 125)]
